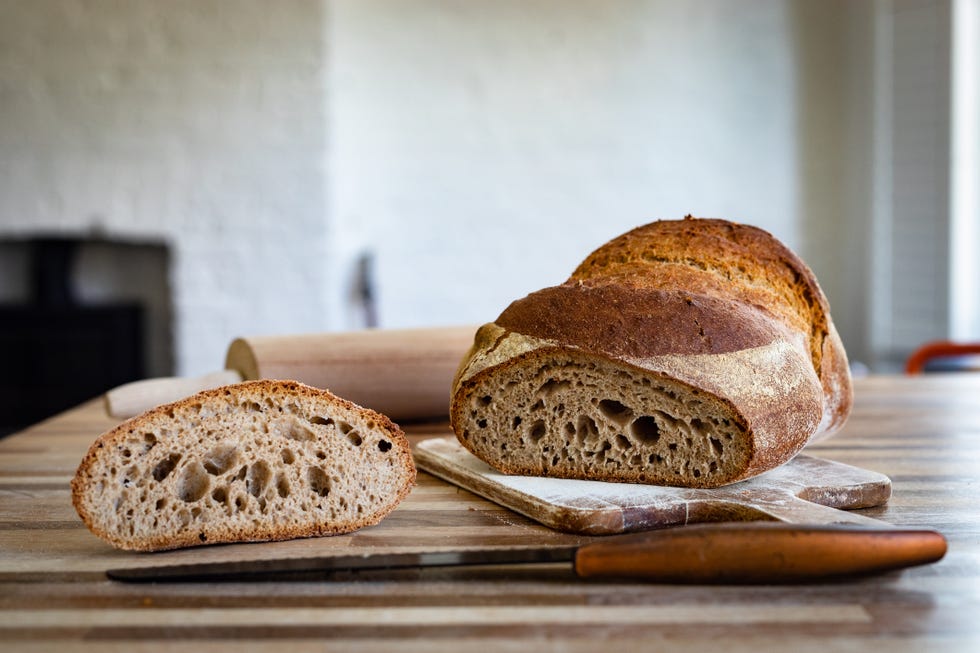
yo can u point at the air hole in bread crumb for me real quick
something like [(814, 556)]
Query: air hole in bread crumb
[(299, 432), (344, 427), (645, 429), (551, 386), (287, 456), (697, 473), (355, 438), (282, 486), (161, 504), (258, 478), (586, 428), (220, 459), (718, 447), (384, 445), (516, 422), (322, 421), (194, 483), (623, 442), (615, 411), (537, 431), (485, 400), (165, 466), (482, 423), (220, 495), (319, 481)]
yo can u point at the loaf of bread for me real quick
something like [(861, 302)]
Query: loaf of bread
[(261, 460), (690, 353)]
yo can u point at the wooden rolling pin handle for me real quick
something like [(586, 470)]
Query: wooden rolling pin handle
[(404, 373), (752, 553), (133, 398)]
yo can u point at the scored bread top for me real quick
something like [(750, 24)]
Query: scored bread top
[(712, 257), (622, 319), (718, 258)]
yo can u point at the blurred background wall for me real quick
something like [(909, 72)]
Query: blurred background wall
[(245, 167)]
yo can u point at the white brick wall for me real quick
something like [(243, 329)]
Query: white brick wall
[(199, 124)]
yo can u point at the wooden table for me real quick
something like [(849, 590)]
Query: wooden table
[(923, 432)]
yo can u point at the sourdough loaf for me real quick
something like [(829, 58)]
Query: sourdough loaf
[(261, 460), (692, 353)]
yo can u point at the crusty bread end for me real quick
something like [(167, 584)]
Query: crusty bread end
[(260, 460)]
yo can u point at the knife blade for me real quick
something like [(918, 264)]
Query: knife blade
[(737, 553)]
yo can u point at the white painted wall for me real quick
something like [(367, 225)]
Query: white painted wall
[(481, 149), (965, 173), (198, 124), (477, 149)]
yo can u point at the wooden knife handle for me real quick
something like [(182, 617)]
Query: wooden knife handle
[(758, 552)]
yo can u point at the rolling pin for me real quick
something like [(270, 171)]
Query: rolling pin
[(405, 374)]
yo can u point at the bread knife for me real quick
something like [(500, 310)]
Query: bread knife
[(732, 553)]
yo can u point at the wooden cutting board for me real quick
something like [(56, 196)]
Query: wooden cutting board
[(805, 490)]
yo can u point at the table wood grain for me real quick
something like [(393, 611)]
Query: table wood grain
[(923, 432)]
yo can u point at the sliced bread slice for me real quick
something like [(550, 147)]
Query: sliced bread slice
[(260, 460)]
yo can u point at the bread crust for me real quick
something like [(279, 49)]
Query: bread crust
[(719, 258), (93, 490), (721, 307)]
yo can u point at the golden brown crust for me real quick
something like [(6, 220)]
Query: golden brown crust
[(722, 307), (751, 264), (93, 490), (719, 258), (622, 319)]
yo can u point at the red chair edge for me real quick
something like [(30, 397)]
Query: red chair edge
[(916, 362)]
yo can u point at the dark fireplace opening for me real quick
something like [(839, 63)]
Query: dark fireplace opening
[(59, 349)]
